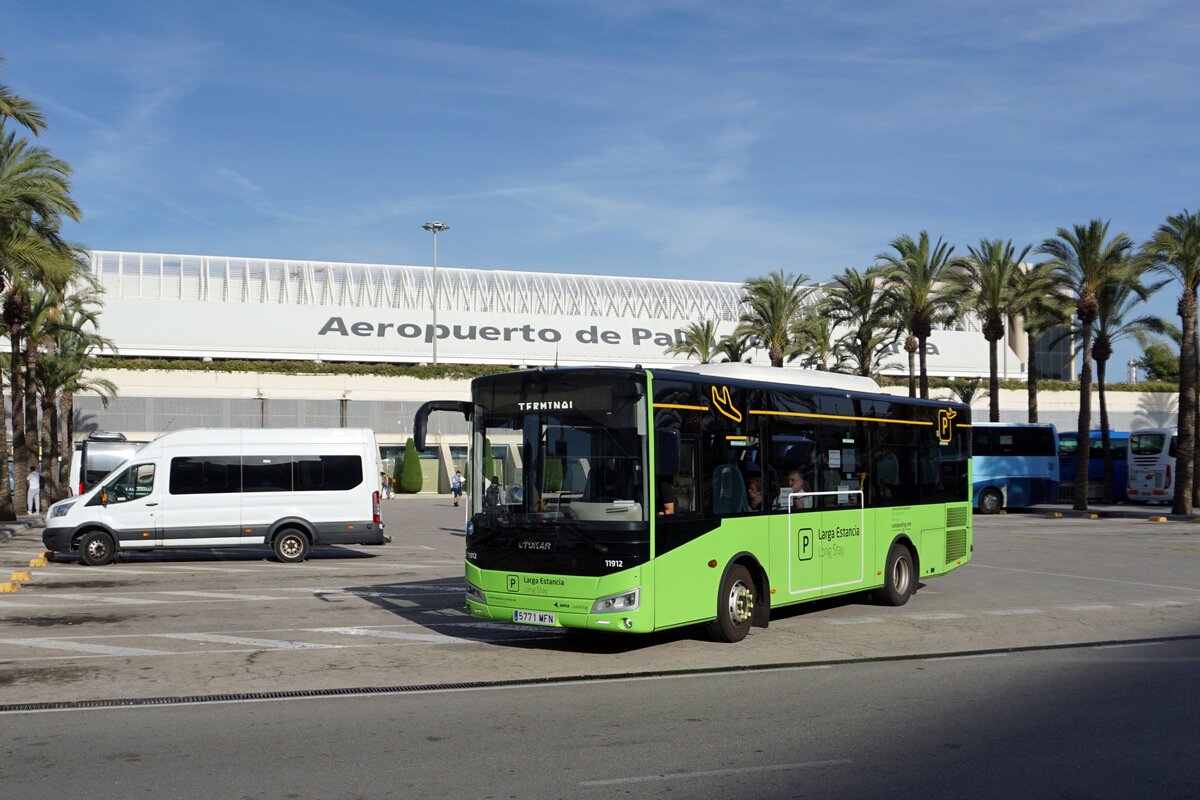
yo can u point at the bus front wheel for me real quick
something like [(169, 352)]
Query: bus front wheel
[(991, 501), (899, 578), (735, 606)]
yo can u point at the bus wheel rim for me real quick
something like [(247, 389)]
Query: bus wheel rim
[(741, 603)]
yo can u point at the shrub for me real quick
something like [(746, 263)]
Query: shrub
[(411, 479)]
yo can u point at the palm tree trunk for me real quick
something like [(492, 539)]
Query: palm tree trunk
[(1032, 381), (912, 366), (20, 448), (48, 436), (1083, 452), (1196, 410), (993, 382), (66, 436), (7, 509), (34, 455), (924, 372), (1105, 435), (1186, 445)]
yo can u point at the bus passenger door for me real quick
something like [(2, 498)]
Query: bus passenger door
[(795, 565)]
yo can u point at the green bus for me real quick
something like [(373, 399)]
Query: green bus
[(637, 500)]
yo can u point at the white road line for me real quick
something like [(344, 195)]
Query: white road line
[(1160, 604), (934, 615), (432, 638), (85, 647), (225, 595), (192, 568), (100, 598), (853, 621), (1089, 607), (1014, 612), (1085, 577), (269, 644), (1130, 644), (717, 773)]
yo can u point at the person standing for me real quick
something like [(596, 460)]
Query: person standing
[(456, 486), (35, 491)]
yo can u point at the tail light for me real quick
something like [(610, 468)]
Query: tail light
[(81, 487), (375, 507)]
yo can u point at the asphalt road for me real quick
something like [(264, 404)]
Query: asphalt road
[(1061, 663)]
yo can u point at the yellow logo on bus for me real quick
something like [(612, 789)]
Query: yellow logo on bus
[(723, 399), (945, 430)]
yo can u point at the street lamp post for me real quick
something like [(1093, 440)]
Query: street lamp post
[(435, 228)]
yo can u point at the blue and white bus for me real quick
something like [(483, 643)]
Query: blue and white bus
[(1013, 465), (1152, 465)]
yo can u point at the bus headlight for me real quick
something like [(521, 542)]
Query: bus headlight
[(625, 601), (475, 593), (60, 510)]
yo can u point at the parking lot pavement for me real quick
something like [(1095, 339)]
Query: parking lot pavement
[(203, 622)]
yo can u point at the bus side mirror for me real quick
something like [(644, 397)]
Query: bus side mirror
[(666, 452)]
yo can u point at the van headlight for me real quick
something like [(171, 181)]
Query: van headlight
[(475, 593), (625, 601), (60, 509)]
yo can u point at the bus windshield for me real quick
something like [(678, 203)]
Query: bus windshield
[(567, 451)]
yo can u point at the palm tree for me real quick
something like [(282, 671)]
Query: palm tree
[(699, 340), (19, 110), (62, 374), (735, 347), (1045, 310), (989, 281), (1174, 250), (1084, 260), (812, 338), (913, 276), (772, 304), (1117, 300), (965, 390), (856, 302)]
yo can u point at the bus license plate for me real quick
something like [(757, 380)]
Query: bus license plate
[(534, 617)]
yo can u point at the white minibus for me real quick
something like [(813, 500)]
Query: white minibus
[(1152, 465), (286, 488)]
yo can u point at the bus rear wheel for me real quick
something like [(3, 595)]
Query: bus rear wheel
[(735, 606), (990, 501), (899, 578)]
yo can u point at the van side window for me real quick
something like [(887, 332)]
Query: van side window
[(326, 473), (266, 473), (206, 475)]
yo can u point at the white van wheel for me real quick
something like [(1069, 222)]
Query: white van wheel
[(291, 546), (96, 549)]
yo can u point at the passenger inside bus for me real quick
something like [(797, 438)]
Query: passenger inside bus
[(754, 493)]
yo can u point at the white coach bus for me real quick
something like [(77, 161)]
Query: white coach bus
[(286, 488)]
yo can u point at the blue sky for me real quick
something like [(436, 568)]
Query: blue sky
[(683, 138)]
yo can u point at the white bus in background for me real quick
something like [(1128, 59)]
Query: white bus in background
[(1152, 465), (287, 489)]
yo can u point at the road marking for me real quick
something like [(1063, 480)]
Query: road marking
[(1131, 644), (100, 598), (86, 647), (432, 638), (852, 621), (1014, 612), (934, 615), (1089, 607), (226, 596), (1085, 577), (270, 644), (191, 568), (716, 773), (1160, 604)]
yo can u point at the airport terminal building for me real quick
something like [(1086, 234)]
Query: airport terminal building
[(220, 307)]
